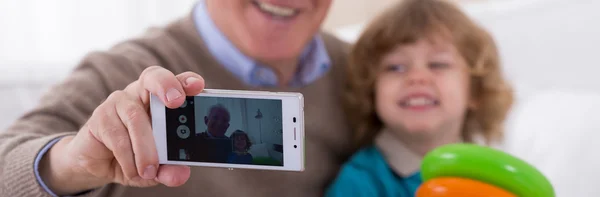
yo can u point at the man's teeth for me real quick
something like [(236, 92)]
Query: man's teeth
[(276, 10), (419, 101)]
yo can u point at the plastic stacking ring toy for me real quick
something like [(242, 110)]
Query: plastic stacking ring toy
[(459, 187), (487, 165)]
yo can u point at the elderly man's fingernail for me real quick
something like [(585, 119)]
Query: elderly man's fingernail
[(173, 94), (149, 172), (191, 80)]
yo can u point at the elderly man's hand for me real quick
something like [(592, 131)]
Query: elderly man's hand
[(116, 145)]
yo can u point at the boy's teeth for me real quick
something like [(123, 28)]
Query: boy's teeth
[(419, 101), (275, 10)]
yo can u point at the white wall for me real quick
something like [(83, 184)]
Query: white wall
[(268, 129), (50, 36), (544, 43), (347, 12)]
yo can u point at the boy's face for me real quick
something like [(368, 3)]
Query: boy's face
[(423, 88), (240, 142)]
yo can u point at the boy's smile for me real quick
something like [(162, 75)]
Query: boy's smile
[(419, 101)]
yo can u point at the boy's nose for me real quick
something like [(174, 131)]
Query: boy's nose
[(419, 76)]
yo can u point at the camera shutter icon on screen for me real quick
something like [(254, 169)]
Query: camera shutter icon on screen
[(182, 119), (183, 132)]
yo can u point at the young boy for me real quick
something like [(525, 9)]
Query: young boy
[(422, 75), (241, 144)]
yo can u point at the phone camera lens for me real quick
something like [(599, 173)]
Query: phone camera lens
[(295, 146), (294, 119)]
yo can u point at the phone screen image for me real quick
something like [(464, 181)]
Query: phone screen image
[(226, 130)]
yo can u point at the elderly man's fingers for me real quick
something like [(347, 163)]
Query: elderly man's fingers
[(192, 83), (173, 175), (110, 131), (136, 120), (160, 82)]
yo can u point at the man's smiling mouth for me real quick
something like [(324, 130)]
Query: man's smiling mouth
[(274, 10)]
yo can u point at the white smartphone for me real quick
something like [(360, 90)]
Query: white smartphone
[(232, 129)]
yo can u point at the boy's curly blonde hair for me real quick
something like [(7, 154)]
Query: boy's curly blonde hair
[(406, 23)]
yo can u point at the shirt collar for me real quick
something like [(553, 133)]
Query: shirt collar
[(314, 60), (209, 135), (402, 160)]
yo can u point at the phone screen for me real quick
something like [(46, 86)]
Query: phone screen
[(226, 130)]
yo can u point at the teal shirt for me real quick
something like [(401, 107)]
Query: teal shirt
[(368, 174)]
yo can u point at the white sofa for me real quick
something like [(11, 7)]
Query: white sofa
[(557, 131)]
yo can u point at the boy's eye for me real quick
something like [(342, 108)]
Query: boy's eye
[(438, 65), (396, 68)]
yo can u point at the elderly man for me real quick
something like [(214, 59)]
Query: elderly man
[(213, 145), (91, 134)]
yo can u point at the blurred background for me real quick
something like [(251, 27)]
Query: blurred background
[(549, 50)]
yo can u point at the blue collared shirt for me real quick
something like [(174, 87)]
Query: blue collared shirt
[(314, 63)]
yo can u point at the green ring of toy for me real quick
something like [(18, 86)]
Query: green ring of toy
[(488, 165)]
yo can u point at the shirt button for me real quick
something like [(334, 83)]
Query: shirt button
[(324, 67), (262, 74)]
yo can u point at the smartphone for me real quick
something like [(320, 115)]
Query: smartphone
[(232, 129)]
